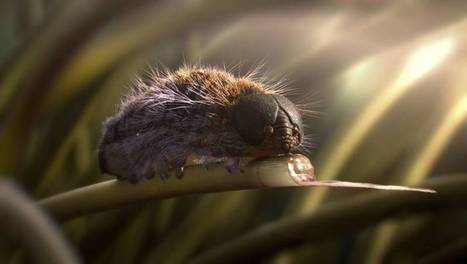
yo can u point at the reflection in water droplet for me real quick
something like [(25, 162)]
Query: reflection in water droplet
[(300, 169)]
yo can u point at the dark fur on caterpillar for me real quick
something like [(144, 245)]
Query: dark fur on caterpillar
[(196, 112)]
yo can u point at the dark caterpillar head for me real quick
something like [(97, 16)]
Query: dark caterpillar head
[(269, 121)]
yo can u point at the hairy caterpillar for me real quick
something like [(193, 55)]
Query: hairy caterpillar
[(196, 112)]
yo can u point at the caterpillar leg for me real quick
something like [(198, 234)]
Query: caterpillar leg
[(179, 172), (164, 163), (232, 164)]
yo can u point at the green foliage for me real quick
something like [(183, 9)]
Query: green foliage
[(389, 80)]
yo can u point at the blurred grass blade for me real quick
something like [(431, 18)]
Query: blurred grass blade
[(195, 227), (124, 248), (336, 218), (21, 218), (450, 253), (345, 142), (421, 166), (26, 83)]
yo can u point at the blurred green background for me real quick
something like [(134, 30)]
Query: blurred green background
[(385, 81)]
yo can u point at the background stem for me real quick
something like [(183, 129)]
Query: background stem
[(19, 216), (332, 220)]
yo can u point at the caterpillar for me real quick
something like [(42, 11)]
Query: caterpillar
[(198, 113)]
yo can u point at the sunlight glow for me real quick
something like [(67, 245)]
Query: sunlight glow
[(425, 59), (347, 139), (355, 76), (420, 168), (359, 79)]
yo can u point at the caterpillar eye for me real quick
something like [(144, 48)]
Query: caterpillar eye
[(252, 116)]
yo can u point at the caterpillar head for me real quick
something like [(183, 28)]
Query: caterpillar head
[(270, 122)]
